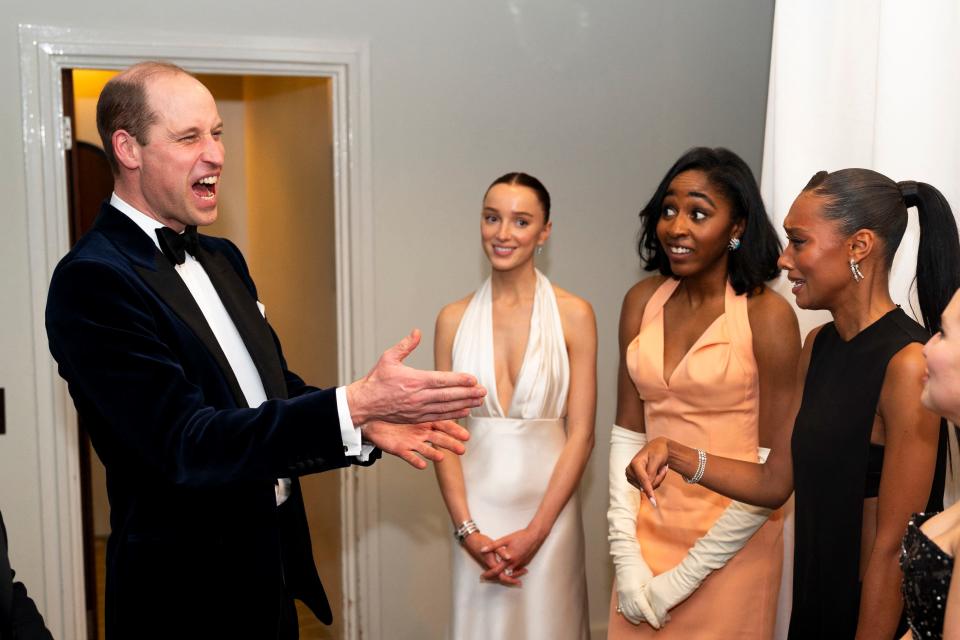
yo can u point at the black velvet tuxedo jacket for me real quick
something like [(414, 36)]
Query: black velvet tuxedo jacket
[(199, 547)]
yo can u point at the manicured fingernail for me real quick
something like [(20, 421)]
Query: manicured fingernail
[(653, 501)]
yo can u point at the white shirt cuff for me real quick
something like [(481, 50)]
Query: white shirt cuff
[(282, 489), (352, 444)]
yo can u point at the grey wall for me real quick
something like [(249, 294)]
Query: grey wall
[(596, 99)]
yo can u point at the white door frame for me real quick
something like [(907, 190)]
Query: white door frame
[(44, 52)]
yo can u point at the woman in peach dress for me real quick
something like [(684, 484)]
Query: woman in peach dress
[(708, 358)]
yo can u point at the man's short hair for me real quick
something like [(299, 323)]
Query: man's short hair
[(123, 105)]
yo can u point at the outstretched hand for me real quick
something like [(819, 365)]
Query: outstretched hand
[(394, 392), (410, 442), (649, 467)]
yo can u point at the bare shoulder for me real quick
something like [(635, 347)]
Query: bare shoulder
[(635, 301), (573, 309), (907, 366), (810, 339), (449, 317), (769, 310)]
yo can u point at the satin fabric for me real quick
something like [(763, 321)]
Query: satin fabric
[(710, 401), (507, 469)]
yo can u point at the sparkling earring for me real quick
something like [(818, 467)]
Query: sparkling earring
[(734, 243), (855, 270), (539, 249)]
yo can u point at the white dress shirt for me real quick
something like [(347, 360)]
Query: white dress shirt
[(225, 331)]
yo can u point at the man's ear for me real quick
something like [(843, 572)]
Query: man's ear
[(126, 149)]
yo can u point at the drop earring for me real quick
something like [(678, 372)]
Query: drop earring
[(855, 270), (539, 249)]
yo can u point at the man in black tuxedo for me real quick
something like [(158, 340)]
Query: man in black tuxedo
[(184, 390)]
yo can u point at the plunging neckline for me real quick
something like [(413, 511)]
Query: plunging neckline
[(696, 343), (523, 362)]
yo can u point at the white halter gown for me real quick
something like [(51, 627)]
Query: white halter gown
[(506, 471)]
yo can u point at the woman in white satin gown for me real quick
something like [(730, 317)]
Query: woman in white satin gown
[(533, 346)]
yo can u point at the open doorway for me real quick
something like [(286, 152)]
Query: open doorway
[(277, 204)]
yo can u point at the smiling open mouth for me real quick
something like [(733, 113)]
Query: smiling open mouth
[(206, 188)]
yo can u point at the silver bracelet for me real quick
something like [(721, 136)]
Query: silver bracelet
[(701, 467), (465, 529)]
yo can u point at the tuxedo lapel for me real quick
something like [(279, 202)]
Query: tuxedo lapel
[(249, 321), (168, 284), (161, 276)]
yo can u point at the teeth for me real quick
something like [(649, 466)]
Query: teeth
[(680, 250), (209, 180)]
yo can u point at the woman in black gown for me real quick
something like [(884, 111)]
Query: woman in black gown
[(863, 453)]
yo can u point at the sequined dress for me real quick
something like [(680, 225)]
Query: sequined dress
[(926, 580)]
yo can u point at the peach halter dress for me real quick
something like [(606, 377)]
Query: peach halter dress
[(711, 402)]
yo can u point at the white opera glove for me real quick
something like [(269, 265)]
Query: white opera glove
[(631, 569), (711, 552)]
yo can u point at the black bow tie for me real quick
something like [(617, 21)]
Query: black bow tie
[(176, 245)]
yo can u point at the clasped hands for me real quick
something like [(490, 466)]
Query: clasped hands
[(640, 599), (505, 559), (408, 412)]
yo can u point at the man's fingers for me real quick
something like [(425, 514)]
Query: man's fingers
[(441, 379), (431, 412), (452, 429), (442, 440), (454, 415), (413, 460), (405, 347), (447, 395), (429, 452)]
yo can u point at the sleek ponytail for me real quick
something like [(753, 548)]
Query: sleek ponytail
[(864, 199), (938, 258)]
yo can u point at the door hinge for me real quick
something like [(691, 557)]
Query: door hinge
[(67, 133)]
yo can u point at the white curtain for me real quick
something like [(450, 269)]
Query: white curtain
[(861, 83)]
